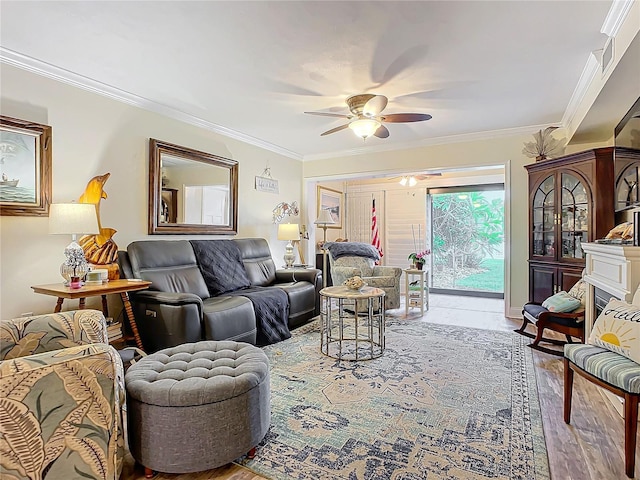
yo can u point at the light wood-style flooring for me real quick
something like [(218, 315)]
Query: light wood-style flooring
[(591, 448)]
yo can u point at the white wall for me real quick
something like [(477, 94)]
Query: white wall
[(92, 135)]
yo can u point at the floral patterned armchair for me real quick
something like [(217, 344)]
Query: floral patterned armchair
[(348, 259), (61, 392)]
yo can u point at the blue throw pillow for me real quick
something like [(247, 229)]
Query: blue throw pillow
[(561, 302)]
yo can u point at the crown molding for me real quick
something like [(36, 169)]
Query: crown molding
[(465, 137), (616, 16), (38, 67), (591, 68)]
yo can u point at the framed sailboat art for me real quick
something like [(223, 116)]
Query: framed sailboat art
[(25, 168)]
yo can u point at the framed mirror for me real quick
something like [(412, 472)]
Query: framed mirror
[(191, 192)]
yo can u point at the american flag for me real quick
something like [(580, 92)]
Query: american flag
[(375, 236)]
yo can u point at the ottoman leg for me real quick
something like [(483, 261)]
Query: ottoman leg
[(148, 473), (252, 453)]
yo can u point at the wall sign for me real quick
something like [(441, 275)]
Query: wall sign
[(264, 184)]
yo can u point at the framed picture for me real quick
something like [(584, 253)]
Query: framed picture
[(25, 168), (332, 200)]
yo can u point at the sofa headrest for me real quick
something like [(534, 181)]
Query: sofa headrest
[(256, 256), (170, 265)]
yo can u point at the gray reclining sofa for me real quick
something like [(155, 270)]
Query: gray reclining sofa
[(216, 290)]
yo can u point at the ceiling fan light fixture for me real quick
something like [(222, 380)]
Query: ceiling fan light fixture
[(403, 181), (412, 181), (364, 127)]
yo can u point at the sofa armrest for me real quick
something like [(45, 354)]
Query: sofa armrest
[(83, 388), (380, 271), (168, 298), (298, 275), (20, 337)]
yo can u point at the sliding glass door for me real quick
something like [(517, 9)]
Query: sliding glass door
[(467, 238)]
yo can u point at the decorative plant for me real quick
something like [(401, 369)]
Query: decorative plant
[(419, 257), (544, 145)]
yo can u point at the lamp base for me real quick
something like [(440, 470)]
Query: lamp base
[(289, 256), (75, 266)]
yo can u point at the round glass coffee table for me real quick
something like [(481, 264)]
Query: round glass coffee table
[(350, 326)]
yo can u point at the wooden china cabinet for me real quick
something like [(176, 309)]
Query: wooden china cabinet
[(571, 201)]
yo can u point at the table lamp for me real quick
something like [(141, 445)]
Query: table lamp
[(289, 232), (73, 219), (323, 220)]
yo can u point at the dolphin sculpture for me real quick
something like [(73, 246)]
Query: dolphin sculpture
[(99, 249)]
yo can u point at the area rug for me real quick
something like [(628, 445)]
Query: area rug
[(442, 402)]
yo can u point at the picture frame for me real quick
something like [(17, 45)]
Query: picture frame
[(25, 168), (333, 200)]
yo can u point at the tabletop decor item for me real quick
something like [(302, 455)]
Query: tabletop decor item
[(419, 258), (99, 248), (354, 283), (73, 219)]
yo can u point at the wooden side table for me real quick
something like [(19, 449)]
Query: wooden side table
[(123, 287), (417, 291)]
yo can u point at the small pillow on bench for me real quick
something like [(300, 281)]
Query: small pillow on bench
[(561, 302), (617, 329)]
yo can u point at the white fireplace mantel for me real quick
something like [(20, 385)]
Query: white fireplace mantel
[(612, 268)]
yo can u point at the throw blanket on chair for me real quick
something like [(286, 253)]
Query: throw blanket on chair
[(221, 266), (352, 249)]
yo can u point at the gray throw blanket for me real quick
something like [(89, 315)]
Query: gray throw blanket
[(272, 310), (220, 263), (352, 249)]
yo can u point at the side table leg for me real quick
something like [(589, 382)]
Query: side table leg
[(58, 305), (81, 306), (105, 308), (132, 320)]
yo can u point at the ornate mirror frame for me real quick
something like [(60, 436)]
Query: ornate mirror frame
[(158, 149)]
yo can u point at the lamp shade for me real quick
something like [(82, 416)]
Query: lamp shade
[(288, 231), (73, 218), (325, 218)]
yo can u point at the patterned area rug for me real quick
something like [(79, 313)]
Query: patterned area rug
[(442, 402)]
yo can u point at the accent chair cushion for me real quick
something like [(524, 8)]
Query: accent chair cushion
[(561, 302), (606, 365), (617, 329)]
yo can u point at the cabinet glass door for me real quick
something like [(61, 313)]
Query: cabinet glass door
[(627, 188), (543, 218), (574, 216)]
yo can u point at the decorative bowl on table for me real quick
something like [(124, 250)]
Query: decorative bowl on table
[(354, 283)]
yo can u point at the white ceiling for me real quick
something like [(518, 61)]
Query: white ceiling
[(252, 68)]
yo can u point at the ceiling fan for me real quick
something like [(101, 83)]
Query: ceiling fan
[(366, 116)]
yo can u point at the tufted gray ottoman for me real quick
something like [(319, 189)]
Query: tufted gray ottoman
[(197, 406)]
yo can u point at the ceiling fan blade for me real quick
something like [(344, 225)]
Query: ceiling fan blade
[(406, 117), (382, 132), (374, 106), (422, 176), (327, 114), (334, 130)]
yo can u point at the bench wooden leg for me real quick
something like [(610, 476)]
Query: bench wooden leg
[(630, 432), (568, 390), (251, 453), (148, 473)]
